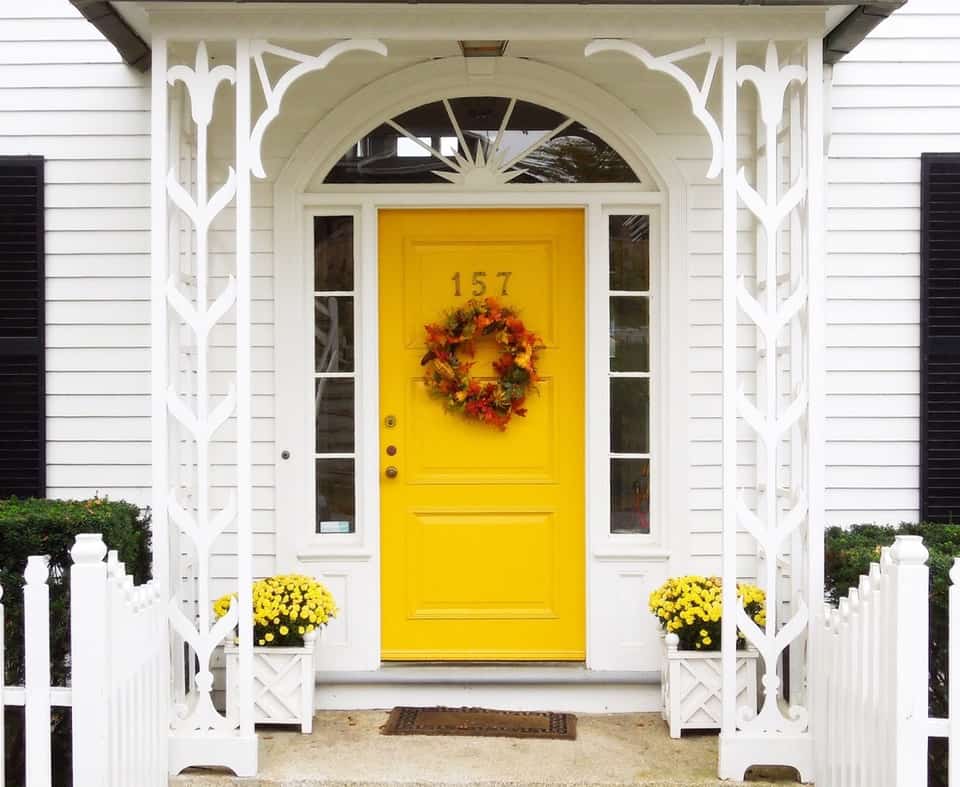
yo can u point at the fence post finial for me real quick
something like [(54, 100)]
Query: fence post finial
[(90, 662), (909, 551), (910, 638), (38, 570), (88, 548)]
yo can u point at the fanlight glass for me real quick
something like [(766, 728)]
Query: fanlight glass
[(481, 141)]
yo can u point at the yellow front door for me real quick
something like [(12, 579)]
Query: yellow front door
[(482, 530)]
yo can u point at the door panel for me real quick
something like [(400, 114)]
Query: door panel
[(482, 531)]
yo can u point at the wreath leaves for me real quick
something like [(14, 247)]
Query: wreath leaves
[(447, 375)]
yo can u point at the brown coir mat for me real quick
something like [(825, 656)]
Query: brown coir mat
[(481, 722)]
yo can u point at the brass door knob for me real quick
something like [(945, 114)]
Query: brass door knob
[(392, 472)]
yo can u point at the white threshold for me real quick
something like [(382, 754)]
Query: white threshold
[(557, 687)]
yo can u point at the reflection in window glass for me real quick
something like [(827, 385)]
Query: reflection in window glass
[(334, 373), (333, 333), (629, 334), (334, 412), (333, 253), (629, 415), (517, 141), (630, 495), (407, 148), (336, 496), (630, 253)]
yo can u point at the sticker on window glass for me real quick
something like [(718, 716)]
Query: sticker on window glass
[(334, 526)]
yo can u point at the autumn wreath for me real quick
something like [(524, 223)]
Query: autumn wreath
[(447, 374)]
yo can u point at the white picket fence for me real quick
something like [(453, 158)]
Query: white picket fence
[(871, 677), (119, 691)]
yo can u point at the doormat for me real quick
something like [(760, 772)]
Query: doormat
[(481, 722)]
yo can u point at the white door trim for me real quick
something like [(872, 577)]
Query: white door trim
[(351, 563)]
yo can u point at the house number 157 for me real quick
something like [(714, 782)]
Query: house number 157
[(478, 282)]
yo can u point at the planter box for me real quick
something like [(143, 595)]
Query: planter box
[(690, 682), (283, 683)]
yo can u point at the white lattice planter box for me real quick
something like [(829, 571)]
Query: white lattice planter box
[(283, 683), (690, 681)]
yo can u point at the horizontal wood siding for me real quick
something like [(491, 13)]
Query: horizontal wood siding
[(895, 97), (66, 96)]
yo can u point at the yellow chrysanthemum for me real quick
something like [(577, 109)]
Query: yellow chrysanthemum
[(692, 608), (282, 607)]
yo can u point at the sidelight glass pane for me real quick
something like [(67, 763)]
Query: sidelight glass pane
[(630, 495), (629, 415), (333, 404), (333, 334), (629, 334), (630, 253), (336, 498), (333, 253)]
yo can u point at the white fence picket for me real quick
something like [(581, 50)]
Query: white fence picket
[(870, 712), (953, 677), (118, 650), (36, 618), (88, 633), (3, 704)]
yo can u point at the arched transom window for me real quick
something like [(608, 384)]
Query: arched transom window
[(482, 141)]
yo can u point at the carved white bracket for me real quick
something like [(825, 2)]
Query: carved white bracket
[(274, 93), (667, 64)]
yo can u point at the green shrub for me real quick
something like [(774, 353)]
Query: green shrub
[(49, 527), (848, 554)]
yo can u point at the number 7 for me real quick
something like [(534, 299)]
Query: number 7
[(505, 275)]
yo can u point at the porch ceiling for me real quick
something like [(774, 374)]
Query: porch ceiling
[(124, 23)]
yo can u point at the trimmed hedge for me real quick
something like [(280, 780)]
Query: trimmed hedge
[(848, 554), (49, 527)]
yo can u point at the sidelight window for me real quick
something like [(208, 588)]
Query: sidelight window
[(629, 372), (334, 373)]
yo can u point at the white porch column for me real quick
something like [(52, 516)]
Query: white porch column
[(784, 515), (784, 511), (189, 299), (196, 408)]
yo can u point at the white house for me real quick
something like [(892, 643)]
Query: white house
[(225, 226)]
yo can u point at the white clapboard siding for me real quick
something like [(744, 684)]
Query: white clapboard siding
[(66, 95), (896, 96)]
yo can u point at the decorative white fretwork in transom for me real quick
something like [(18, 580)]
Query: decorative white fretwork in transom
[(490, 162)]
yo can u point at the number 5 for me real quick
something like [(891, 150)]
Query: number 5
[(479, 285)]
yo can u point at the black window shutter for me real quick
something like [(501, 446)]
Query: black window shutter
[(22, 408), (940, 338)]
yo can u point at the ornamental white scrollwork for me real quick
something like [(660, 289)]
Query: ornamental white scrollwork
[(770, 316), (201, 419), (274, 93), (667, 64), (490, 163)]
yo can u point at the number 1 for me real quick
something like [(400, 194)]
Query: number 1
[(456, 284)]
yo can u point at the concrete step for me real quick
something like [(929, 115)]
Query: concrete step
[(346, 748)]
